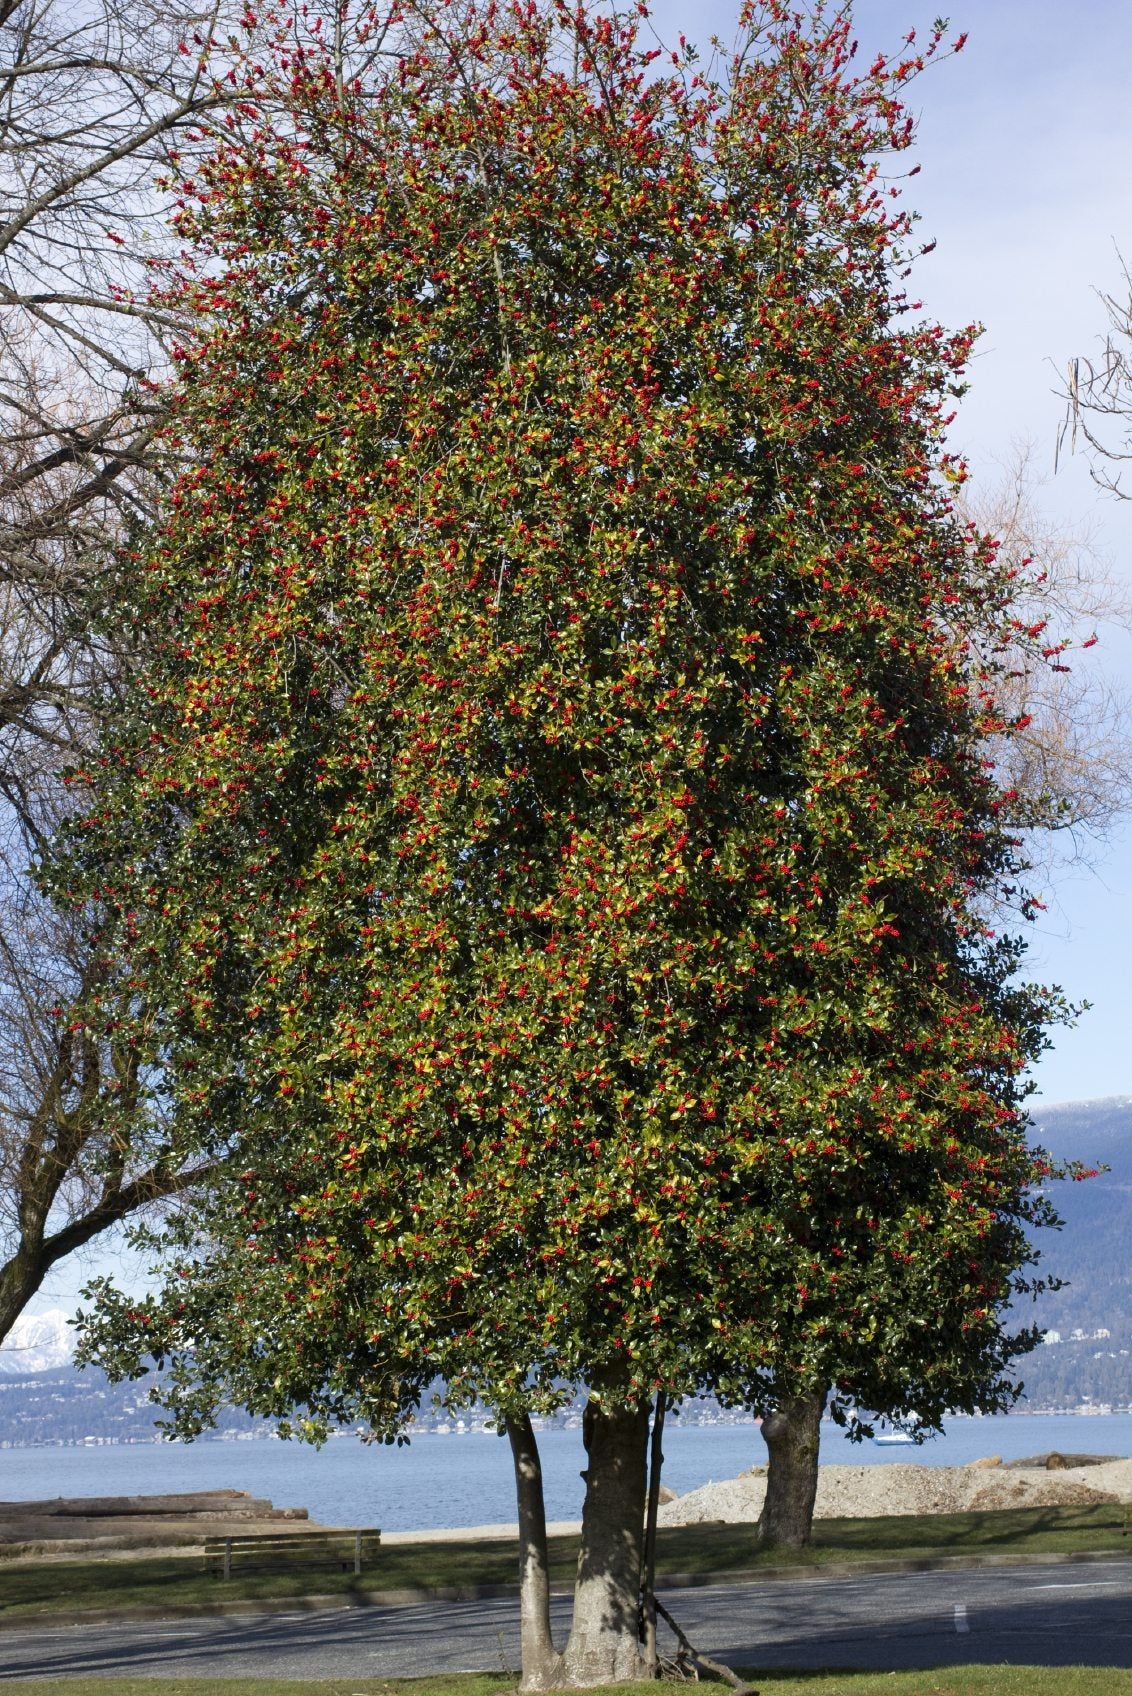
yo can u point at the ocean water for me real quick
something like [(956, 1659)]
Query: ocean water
[(439, 1482)]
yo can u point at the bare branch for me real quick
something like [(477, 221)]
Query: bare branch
[(1067, 760)]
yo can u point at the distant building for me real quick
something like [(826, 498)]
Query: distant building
[(1051, 1336), (1102, 1331)]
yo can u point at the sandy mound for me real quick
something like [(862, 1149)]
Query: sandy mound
[(866, 1492)]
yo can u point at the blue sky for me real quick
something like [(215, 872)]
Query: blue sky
[(1025, 142)]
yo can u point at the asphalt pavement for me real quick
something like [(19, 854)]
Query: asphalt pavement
[(1055, 1615)]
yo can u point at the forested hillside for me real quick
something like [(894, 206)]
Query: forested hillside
[(1092, 1251)]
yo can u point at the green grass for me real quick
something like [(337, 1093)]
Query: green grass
[(159, 1580), (952, 1681)]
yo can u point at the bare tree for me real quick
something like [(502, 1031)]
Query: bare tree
[(1067, 761), (97, 101), (94, 100), (82, 1144), (1098, 397)]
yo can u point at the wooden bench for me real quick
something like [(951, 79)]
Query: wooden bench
[(278, 1550)]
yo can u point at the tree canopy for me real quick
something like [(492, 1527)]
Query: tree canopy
[(552, 820)]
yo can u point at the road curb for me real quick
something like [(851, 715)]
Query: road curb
[(416, 1596)]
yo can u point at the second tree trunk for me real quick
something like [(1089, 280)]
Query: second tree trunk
[(792, 1434)]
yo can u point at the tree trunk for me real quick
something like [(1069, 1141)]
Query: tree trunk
[(648, 1582), (792, 1432), (604, 1645), (542, 1665)]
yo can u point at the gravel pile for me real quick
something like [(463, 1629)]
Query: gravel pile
[(867, 1492)]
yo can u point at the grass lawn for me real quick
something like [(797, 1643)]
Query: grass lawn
[(957, 1681), (27, 1591)]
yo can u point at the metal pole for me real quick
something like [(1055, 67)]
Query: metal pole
[(656, 1461)]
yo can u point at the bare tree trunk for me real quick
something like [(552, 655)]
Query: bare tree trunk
[(792, 1433), (604, 1645), (648, 1586), (541, 1662)]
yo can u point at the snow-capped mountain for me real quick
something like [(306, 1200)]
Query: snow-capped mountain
[(37, 1343)]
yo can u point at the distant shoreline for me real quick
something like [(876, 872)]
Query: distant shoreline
[(217, 1439), (472, 1483)]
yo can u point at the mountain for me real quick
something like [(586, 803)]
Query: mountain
[(1088, 1321), (1091, 1251), (37, 1343)]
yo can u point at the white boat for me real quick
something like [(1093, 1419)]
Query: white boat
[(907, 1432)]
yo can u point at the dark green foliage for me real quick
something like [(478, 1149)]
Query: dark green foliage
[(553, 820)]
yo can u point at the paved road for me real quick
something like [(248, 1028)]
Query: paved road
[(1056, 1615)]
